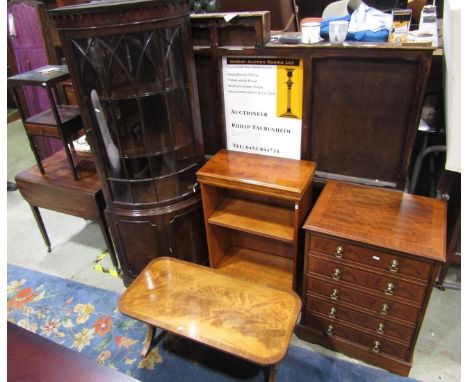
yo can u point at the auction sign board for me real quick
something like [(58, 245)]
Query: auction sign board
[(263, 105)]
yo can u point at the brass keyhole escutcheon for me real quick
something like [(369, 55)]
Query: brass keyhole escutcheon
[(329, 331), (332, 312), (339, 251), (393, 267), (336, 275), (334, 294), (389, 289)]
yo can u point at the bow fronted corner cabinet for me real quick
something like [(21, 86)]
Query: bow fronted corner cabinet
[(371, 259), (133, 68)]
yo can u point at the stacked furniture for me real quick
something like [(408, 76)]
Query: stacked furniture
[(59, 121), (133, 70), (371, 259), (30, 46)]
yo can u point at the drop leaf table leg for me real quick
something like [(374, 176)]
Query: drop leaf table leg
[(148, 340), (40, 223)]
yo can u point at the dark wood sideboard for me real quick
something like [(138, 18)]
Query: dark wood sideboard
[(361, 101)]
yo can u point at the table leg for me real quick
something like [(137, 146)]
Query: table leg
[(40, 223), (270, 372), (70, 160), (148, 340), (33, 146)]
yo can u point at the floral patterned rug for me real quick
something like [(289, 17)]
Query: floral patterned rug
[(86, 319)]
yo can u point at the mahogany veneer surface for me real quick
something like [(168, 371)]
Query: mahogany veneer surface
[(58, 190), (264, 174), (387, 218), (241, 318)]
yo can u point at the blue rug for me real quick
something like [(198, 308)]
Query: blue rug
[(86, 319)]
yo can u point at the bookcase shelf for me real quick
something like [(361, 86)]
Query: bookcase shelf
[(248, 264), (254, 207), (242, 215)]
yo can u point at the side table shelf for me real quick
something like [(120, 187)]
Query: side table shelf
[(254, 206)]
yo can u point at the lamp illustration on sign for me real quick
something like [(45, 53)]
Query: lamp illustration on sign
[(289, 83)]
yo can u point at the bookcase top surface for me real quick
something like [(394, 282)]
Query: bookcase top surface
[(258, 173), (388, 219)]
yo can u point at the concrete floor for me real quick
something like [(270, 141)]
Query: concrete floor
[(76, 243)]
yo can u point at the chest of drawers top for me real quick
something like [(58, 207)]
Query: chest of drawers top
[(381, 218)]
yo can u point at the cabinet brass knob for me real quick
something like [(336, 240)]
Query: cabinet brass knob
[(336, 275), (389, 289), (339, 251), (376, 347), (334, 294), (384, 309), (332, 312), (393, 266), (381, 328), (329, 331)]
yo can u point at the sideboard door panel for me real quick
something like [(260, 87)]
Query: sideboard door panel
[(363, 115)]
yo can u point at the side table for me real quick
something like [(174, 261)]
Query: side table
[(58, 191), (247, 320), (60, 121)]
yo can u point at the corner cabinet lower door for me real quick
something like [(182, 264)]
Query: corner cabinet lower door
[(177, 231)]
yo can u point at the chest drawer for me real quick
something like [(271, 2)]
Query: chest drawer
[(377, 305), (380, 325), (386, 285), (374, 344), (388, 262)]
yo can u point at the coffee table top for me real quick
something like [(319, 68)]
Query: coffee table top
[(241, 318)]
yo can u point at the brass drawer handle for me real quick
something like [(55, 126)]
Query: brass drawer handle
[(384, 309), (376, 347), (329, 331), (336, 275), (332, 312), (393, 266), (381, 328), (389, 289), (339, 251), (334, 294)]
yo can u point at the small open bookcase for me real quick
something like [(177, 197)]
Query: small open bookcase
[(254, 207)]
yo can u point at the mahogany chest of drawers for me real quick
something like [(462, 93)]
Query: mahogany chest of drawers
[(371, 258)]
